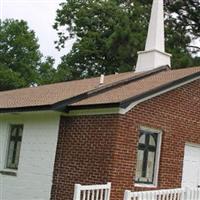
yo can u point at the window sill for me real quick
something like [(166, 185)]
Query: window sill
[(8, 172), (145, 185)]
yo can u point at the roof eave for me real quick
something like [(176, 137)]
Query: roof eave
[(122, 107), (26, 109), (130, 103)]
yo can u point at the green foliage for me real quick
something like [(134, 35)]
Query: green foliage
[(9, 79), (46, 72), (19, 54), (186, 14), (183, 27), (20, 58), (110, 33), (63, 73), (105, 35)]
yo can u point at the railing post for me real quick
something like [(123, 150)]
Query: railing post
[(77, 192), (109, 190), (127, 195), (183, 194)]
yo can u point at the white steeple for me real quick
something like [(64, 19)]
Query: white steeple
[(154, 55)]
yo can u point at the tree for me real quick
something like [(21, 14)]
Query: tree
[(9, 79), (186, 14), (19, 55), (105, 37), (64, 72), (110, 33), (46, 72), (21, 62), (183, 27)]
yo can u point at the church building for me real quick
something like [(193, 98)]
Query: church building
[(138, 130)]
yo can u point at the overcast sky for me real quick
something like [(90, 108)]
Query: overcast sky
[(40, 15)]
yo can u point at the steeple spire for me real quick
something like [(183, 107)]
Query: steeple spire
[(154, 55)]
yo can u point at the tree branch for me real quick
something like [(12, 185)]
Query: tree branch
[(191, 46)]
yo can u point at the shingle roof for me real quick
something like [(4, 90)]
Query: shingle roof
[(136, 88), (53, 93), (116, 88)]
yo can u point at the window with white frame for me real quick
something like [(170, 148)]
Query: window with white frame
[(147, 156), (14, 146)]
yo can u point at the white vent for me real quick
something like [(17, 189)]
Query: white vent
[(101, 79)]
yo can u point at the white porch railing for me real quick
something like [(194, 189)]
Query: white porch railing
[(92, 192), (173, 194)]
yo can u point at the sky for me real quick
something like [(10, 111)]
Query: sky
[(40, 15)]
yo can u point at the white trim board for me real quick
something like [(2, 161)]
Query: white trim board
[(131, 106), (118, 110)]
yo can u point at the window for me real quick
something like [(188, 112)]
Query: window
[(147, 157), (14, 146)]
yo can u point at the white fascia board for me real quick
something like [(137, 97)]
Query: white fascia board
[(132, 105), (119, 110)]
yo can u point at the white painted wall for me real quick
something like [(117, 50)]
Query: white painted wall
[(34, 174)]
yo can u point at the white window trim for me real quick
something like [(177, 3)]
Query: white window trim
[(5, 151), (157, 162), (8, 146)]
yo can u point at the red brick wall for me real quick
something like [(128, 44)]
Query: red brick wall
[(97, 149), (84, 153)]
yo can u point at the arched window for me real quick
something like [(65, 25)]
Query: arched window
[(146, 157)]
